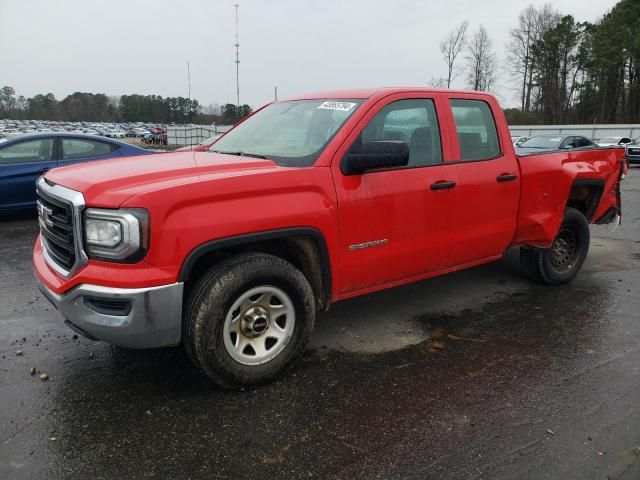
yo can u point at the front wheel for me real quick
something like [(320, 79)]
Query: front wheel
[(563, 261), (248, 319)]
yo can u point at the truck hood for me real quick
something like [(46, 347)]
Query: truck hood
[(108, 183)]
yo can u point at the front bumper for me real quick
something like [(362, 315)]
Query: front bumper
[(132, 318)]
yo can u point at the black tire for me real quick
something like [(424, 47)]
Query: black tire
[(213, 296), (563, 261)]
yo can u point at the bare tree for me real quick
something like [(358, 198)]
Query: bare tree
[(481, 61), (519, 51), (451, 47), (212, 109), (532, 25), (437, 82)]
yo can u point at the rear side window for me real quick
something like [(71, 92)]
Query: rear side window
[(411, 121), (76, 148), (40, 150), (583, 142), (477, 132)]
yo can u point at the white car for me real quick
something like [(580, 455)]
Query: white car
[(613, 141)]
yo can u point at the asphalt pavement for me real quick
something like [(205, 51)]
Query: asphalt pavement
[(479, 374)]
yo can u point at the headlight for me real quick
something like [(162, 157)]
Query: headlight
[(116, 235)]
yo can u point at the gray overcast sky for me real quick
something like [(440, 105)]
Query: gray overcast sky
[(142, 46)]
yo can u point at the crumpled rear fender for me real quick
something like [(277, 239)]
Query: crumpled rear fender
[(547, 183)]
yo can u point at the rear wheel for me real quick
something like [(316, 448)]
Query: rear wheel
[(563, 260), (248, 319)]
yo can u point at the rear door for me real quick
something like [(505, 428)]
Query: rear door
[(76, 150), (394, 223), (21, 164), (489, 180)]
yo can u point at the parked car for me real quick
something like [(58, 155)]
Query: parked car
[(308, 201), (517, 141), (632, 151), (23, 158), (548, 142), (203, 146), (8, 132), (613, 141), (155, 139), (139, 132)]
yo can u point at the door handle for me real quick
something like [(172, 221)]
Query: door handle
[(45, 169), (442, 185), (506, 177)]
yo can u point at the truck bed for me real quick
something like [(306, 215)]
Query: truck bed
[(588, 177)]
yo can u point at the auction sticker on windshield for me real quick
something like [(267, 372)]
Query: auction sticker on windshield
[(341, 106)]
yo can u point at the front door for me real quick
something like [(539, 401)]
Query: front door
[(394, 223)]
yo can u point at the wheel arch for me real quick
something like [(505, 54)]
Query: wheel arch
[(304, 247), (585, 195)]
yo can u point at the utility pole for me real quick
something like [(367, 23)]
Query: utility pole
[(189, 88), (275, 91), (237, 45)]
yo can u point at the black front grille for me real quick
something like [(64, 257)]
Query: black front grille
[(109, 306), (56, 229)]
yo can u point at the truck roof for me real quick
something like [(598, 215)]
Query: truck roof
[(362, 93)]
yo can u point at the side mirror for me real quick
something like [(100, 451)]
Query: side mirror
[(376, 155)]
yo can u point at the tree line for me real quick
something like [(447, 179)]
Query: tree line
[(90, 107), (562, 70)]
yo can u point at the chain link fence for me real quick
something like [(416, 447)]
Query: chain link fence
[(188, 135)]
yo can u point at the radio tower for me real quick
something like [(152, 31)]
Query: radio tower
[(237, 61)]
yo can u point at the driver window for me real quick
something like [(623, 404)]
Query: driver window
[(411, 121)]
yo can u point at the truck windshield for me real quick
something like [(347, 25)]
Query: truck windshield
[(291, 133)]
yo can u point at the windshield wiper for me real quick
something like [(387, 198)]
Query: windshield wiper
[(242, 154)]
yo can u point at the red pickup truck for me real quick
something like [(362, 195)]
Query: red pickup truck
[(310, 200)]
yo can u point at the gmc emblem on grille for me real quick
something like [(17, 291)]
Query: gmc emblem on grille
[(45, 214)]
